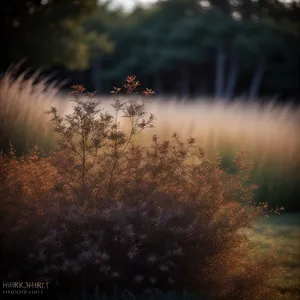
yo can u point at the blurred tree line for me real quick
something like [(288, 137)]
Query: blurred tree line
[(221, 48)]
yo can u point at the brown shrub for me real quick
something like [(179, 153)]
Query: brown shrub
[(105, 211)]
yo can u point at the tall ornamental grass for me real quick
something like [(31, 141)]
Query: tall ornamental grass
[(23, 102), (269, 132)]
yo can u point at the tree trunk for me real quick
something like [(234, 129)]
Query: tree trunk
[(80, 78), (96, 75), (157, 84), (200, 90), (297, 83), (220, 70), (257, 79), (185, 82), (232, 78)]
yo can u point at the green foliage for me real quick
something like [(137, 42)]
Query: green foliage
[(174, 35), (47, 33)]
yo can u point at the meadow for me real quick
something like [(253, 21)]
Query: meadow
[(269, 133)]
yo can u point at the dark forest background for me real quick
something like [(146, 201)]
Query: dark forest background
[(220, 48)]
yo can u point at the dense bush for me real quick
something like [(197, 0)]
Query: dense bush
[(103, 210)]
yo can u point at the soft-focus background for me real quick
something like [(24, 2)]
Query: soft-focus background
[(224, 71), (190, 48)]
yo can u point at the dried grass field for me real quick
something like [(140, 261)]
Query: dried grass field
[(269, 133)]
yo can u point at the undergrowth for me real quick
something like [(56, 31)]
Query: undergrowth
[(102, 210)]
